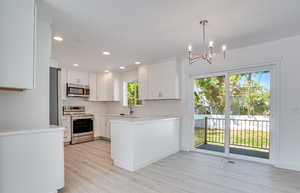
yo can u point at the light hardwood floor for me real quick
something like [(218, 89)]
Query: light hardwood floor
[(89, 169)]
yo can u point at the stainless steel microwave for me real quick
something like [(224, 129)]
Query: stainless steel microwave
[(76, 90)]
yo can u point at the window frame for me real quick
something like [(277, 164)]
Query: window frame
[(136, 93)]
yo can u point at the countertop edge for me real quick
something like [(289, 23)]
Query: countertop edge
[(31, 131), (136, 120)]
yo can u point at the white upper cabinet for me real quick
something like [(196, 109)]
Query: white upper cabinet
[(116, 86), (159, 81), (93, 86), (78, 77), (143, 73), (17, 47), (108, 86)]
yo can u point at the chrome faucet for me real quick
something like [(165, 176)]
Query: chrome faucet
[(131, 110)]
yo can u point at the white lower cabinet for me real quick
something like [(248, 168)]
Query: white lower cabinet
[(102, 127), (98, 126), (66, 123), (106, 129)]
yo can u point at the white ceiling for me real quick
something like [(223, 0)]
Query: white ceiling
[(150, 30)]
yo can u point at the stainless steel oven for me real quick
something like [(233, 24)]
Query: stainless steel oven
[(75, 90), (82, 124), (82, 128)]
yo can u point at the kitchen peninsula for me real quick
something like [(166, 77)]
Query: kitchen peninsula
[(139, 141)]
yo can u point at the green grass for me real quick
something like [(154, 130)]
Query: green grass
[(253, 139)]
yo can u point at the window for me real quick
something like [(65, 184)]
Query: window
[(131, 94)]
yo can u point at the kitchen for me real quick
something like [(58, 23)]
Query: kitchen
[(106, 98), (113, 96), (88, 102)]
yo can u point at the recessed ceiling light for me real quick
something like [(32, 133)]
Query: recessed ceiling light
[(106, 53), (122, 67), (106, 71), (76, 65), (57, 38), (137, 62)]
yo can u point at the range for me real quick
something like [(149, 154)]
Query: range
[(82, 129)]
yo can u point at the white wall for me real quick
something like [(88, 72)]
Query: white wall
[(283, 52), (30, 108)]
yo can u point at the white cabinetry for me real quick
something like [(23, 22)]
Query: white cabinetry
[(66, 123), (97, 126), (143, 73), (93, 86), (103, 128), (103, 86), (108, 87), (17, 48), (77, 77), (159, 81), (106, 131)]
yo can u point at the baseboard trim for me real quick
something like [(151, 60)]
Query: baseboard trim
[(156, 159), (102, 138), (288, 166), (134, 167)]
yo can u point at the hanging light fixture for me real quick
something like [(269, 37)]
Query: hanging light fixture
[(207, 51)]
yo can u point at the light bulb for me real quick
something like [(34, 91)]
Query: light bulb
[(224, 48), (190, 48), (211, 44), (58, 38)]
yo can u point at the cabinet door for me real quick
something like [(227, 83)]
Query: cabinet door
[(17, 53), (100, 87), (107, 128), (143, 76), (76, 77), (93, 86), (170, 81), (104, 87), (163, 81), (116, 86), (97, 126), (66, 123), (156, 81), (108, 78)]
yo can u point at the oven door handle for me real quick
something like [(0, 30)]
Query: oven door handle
[(78, 118)]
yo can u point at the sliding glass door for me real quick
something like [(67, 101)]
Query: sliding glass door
[(209, 106), (250, 114), (232, 113)]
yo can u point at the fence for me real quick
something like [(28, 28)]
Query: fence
[(243, 132)]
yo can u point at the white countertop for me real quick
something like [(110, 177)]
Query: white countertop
[(143, 118), (29, 130)]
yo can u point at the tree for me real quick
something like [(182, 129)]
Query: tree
[(248, 96), (209, 97)]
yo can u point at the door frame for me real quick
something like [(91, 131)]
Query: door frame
[(273, 68)]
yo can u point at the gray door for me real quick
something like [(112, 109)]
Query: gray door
[(53, 96)]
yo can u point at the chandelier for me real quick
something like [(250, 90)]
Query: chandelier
[(207, 51)]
